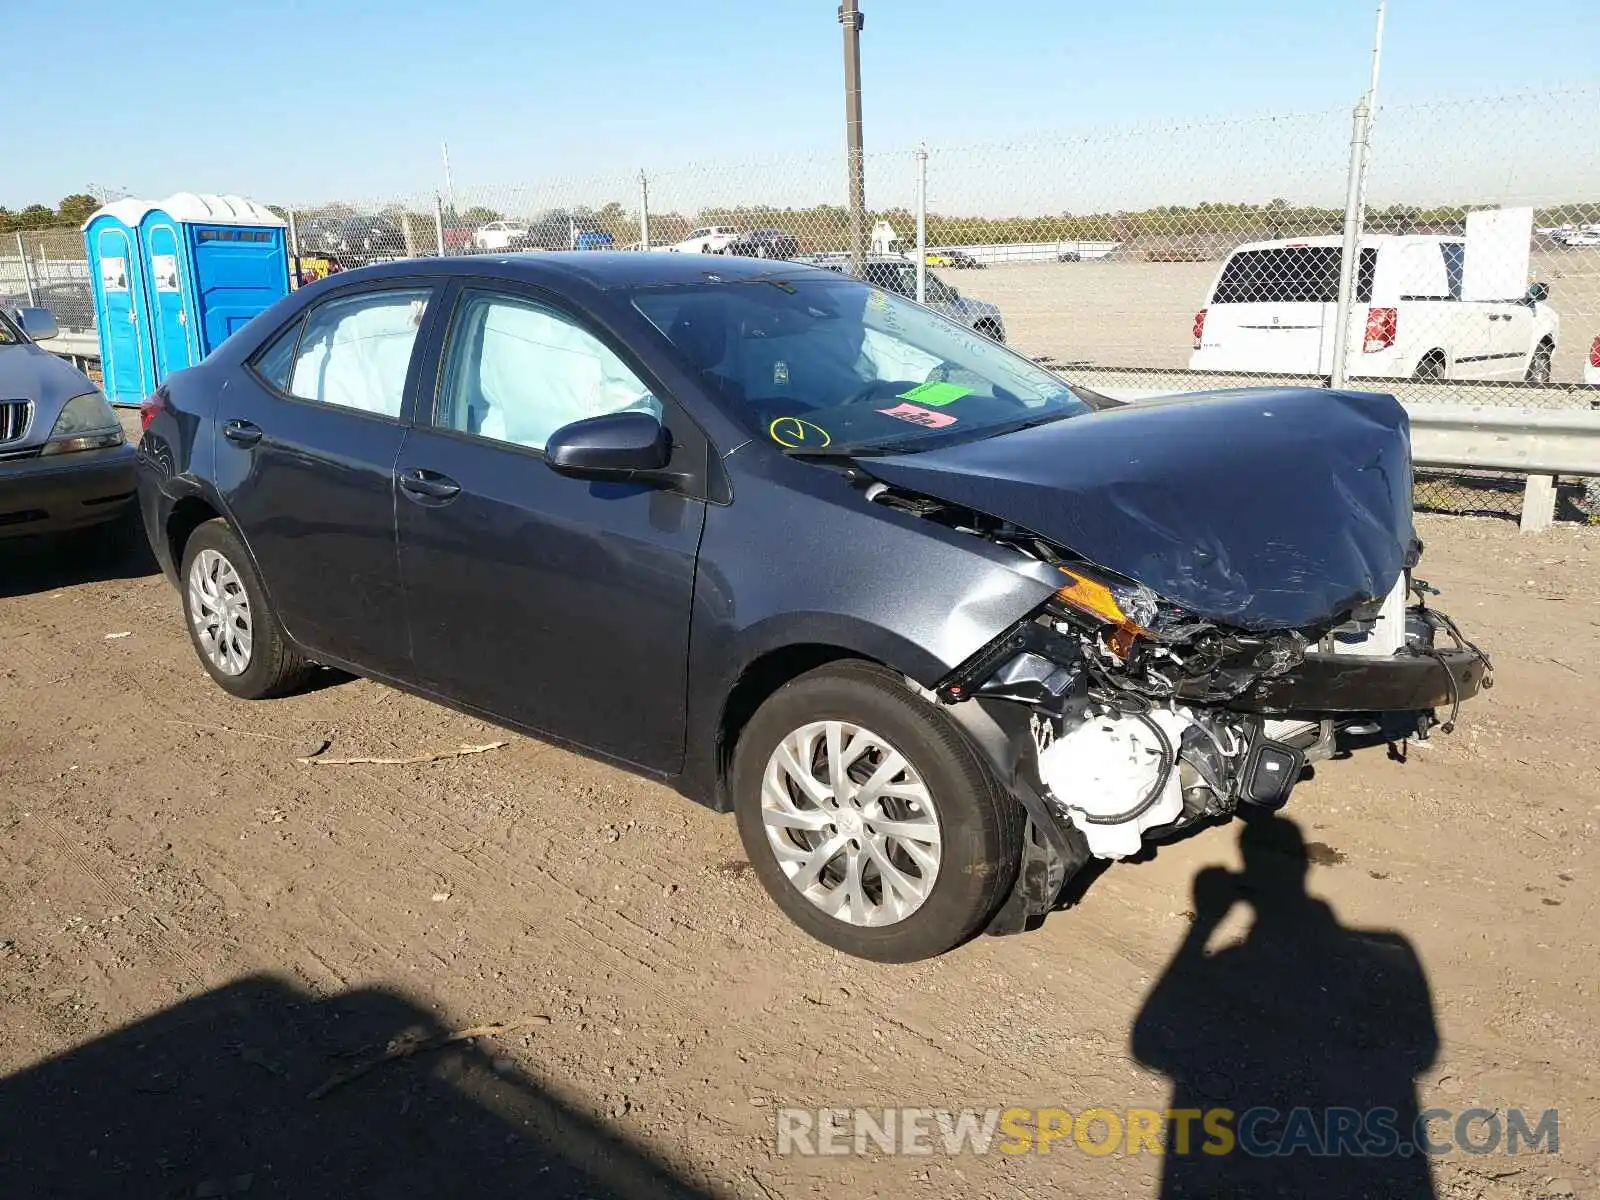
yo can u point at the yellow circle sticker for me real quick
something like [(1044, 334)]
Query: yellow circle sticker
[(792, 433)]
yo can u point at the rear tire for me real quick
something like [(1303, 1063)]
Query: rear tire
[(1431, 369), (990, 330), (947, 829), (234, 631)]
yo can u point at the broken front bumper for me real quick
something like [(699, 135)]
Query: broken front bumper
[(1342, 683)]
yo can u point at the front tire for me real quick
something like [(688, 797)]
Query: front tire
[(870, 818), (1539, 363), (232, 627)]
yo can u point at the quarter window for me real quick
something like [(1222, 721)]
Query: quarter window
[(356, 350), (517, 371)]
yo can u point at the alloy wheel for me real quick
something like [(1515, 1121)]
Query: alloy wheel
[(219, 608), (851, 823)]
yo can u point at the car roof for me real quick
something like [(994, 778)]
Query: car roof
[(1368, 240), (598, 269)]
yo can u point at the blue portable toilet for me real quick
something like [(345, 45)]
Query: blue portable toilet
[(207, 264), (116, 273)]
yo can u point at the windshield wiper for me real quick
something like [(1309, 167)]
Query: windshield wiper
[(847, 451)]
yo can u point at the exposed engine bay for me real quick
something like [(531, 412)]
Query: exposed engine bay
[(1143, 720)]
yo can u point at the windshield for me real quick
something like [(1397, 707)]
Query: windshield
[(9, 334), (832, 366)]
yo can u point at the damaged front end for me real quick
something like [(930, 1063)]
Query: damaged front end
[(1120, 718)]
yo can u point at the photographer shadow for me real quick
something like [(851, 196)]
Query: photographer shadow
[(1310, 1032)]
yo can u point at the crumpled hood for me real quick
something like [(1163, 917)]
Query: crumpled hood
[(1261, 508), (29, 373)]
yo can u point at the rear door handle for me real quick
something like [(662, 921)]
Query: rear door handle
[(242, 433), (428, 485)]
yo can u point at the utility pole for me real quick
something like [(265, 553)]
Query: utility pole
[(1355, 214), (851, 19), (449, 183)]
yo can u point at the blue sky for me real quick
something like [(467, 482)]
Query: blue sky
[(352, 99)]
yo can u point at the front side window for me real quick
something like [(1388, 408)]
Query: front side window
[(819, 363), (516, 371), (355, 351)]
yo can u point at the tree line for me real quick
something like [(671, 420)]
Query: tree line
[(827, 226), (72, 210)]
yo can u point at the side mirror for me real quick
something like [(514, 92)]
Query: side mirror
[(38, 323), (1538, 293), (613, 446)]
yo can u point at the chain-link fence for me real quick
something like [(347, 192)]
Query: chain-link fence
[(1456, 260), (47, 268)]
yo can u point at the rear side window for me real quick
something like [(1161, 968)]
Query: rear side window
[(1291, 275), (275, 361), (355, 351)]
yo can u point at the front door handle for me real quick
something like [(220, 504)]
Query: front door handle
[(428, 485), (242, 433)]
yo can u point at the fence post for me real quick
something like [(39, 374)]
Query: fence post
[(27, 276), (1350, 255), (294, 237), (438, 224), (644, 211), (922, 224)]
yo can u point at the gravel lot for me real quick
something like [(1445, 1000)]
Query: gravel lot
[(1139, 314), (206, 946)]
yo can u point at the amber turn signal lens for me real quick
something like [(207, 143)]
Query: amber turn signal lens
[(1091, 596)]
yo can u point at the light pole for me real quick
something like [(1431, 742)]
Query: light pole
[(851, 19)]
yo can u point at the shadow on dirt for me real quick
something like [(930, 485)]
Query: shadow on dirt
[(1312, 1033), (38, 564), (213, 1097)]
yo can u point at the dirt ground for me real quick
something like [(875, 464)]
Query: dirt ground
[(200, 939)]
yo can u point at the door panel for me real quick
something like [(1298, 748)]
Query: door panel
[(122, 286), (170, 320), (1513, 340), (310, 481), (556, 603)]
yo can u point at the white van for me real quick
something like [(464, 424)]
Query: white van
[(1273, 304)]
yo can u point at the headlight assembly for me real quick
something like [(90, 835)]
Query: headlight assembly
[(86, 422)]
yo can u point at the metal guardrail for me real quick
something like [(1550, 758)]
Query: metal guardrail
[(78, 348)]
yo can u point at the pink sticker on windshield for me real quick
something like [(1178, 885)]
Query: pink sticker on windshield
[(925, 417)]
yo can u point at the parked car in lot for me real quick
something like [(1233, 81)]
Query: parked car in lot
[(958, 259), (64, 463), (709, 239), (807, 551), (898, 274), (764, 243), (498, 235), (1591, 369), (1273, 307)]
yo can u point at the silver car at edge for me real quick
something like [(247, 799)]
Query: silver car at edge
[(64, 462)]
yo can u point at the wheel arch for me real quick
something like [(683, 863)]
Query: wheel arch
[(760, 678)]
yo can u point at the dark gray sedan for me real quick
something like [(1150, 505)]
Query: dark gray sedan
[(64, 463), (937, 626)]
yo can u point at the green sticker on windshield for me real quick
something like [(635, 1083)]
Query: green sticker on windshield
[(937, 394)]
